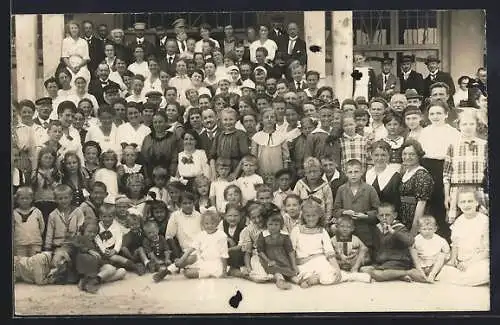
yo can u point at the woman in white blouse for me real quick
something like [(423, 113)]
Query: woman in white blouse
[(75, 52), (192, 160), (152, 82), (105, 134), (133, 131), (435, 140), (139, 66), (81, 92), (263, 41)]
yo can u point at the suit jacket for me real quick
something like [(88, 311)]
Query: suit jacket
[(415, 81), (169, 67), (123, 52), (96, 53), (392, 83), (275, 37), (440, 77), (160, 51), (293, 86), (149, 48), (205, 141), (299, 51), (96, 89)]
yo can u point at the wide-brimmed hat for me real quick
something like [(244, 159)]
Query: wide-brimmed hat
[(412, 93), (432, 58), (407, 58)]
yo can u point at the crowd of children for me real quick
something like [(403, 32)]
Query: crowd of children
[(218, 173)]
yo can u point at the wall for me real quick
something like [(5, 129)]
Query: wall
[(467, 36)]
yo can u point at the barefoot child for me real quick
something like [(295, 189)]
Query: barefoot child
[(470, 252), (276, 252), (429, 251), (350, 251), (91, 206), (314, 250), (210, 249)]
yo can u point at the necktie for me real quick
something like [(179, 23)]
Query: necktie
[(139, 42), (170, 59), (385, 79), (290, 47), (183, 46), (433, 77), (210, 134), (298, 85), (45, 125)]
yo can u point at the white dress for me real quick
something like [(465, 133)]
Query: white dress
[(109, 178), (210, 250), (269, 44), (192, 165), (75, 52), (127, 133), (140, 68), (106, 142)]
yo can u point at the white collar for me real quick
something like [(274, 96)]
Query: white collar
[(383, 178), (409, 174), (266, 233), (140, 39), (319, 130), (356, 136), (293, 39), (336, 175)]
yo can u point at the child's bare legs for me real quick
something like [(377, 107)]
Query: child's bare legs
[(124, 262), (119, 275), (164, 270), (281, 282), (107, 272), (436, 268), (235, 272), (309, 281), (192, 273)]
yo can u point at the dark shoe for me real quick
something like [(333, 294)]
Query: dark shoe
[(140, 269), (151, 266), (160, 275), (93, 285), (82, 283)]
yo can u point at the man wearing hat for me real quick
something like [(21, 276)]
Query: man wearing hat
[(180, 35), (413, 97), (156, 97), (140, 40), (96, 86), (435, 75), (44, 109), (276, 32), (409, 78), (387, 82)]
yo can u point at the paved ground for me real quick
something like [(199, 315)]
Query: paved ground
[(140, 295)]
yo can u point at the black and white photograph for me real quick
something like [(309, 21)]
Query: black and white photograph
[(232, 162)]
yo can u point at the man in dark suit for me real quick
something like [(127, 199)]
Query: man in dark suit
[(409, 78), (169, 61), (96, 86), (293, 47), (96, 47), (387, 82), (180, 35), (435, 75), (160, 42), (148, 47), (276, 32)]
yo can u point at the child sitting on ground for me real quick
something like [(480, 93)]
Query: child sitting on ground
[(92, 268), (392, 260), (109, 240), (90, 207), (429, 251), (158, 211), (210, 247), (232, 225), (275, 250), (470, 252), (314, 250), (132, 240), (158, 251), (253, 268)]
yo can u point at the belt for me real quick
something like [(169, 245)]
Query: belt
[(408, 199)]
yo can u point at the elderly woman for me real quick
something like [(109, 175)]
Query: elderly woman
[(416, 186), (383, 176), (117, 37), (263, 41), (160, 147), (398, 103), (75, 52)]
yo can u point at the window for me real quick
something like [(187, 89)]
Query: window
[(371, 27), (418, 27)]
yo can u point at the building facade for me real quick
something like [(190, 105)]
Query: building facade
[(457, 37)]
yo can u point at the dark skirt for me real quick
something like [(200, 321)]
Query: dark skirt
[(236, 259), (435, 205)]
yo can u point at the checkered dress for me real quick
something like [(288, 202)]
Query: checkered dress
[(354, 147), (464, 165)]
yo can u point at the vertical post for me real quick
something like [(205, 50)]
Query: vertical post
[(314, 32), (26, 56), (342, 53), (53, 35)]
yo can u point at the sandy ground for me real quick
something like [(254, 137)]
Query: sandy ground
[(176, 295)]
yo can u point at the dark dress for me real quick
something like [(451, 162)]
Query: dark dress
[(276, 249), (159, 151), (396, 153), (232, 145), (390, 191), (236, 258), (417, 188)]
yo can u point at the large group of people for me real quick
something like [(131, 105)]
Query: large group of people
[(216, 158)]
